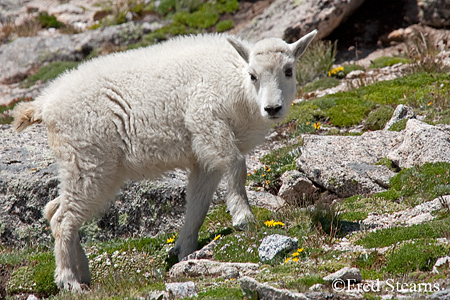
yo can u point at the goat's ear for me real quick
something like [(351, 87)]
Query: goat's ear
[(300, 46), (240, 47)]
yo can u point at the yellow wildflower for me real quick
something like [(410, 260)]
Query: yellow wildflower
[(217, 237), (429, 103), (307, 123), (317, 125), (295, 259), (287, 259), (267, 182), (295, 254), (263, 175), (300, 250), (249, 174), (268, 170), (170, 241)]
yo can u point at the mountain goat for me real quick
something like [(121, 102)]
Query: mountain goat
[(197, 103)]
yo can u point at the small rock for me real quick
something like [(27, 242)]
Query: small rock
[(252, 289), (442, 265), (347, 275), (274, 244), (400, 113), (158, 295), (181, 289), (205, 253), (440, 295), (297, 188), (32, 297), (317, 287)]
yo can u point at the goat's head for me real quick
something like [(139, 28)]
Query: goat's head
[(271, 70)]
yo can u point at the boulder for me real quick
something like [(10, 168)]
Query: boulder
[(421, 143), (297, 189), (206, 267), (264, 199), (346, 165), (292, 19), (274, 245), (25, 55), (29, 179)]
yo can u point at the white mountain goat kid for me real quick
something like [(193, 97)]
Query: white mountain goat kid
[(197, 103)]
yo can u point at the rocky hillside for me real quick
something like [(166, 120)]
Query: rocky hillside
[(351, 192)]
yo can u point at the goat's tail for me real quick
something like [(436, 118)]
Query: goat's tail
[(51, 208), (26, 114)]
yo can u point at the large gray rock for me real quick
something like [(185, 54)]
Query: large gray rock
[(293, 19), (346, 165), (206, 267), (421, 143), (274, 245), (24, 55), (253, 289), (29, 179)]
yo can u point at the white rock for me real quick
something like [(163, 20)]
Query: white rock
[(442, 265), (181, 289)]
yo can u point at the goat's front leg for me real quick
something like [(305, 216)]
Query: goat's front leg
[(199, 192), (237, 201)]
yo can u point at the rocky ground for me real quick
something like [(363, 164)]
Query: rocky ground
[(350, 169)]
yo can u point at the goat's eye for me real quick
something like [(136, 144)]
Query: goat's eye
[(253, 77), (288, 72)]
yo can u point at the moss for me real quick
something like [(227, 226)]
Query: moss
[(352, 67), (378, 118), (390, 236), (387, 163), (224, 25), (386, 61), (399, 125), (48, 72), (21, 280), (43, 274), (418, 184), (352, 107), (321, 84), (48, 21), (412, 256)]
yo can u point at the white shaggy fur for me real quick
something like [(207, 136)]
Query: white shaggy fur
[(198, 103)]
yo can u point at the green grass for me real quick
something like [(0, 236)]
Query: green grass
[(422, 183), (399, 125), (415, 256), (49, 72), (378, 118), (276, 163), (221, 293), (390, 236), (386, 61), (320, 84), (350, 108)]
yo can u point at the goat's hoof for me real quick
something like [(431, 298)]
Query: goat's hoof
[(175, 251)]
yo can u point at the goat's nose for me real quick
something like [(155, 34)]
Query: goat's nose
[(273, 110)]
